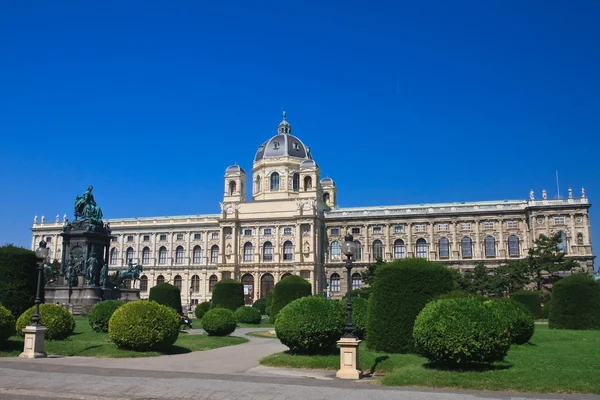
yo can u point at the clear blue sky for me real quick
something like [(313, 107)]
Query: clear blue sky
[(400, 102)]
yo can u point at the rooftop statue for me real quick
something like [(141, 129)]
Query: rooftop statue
[(86, 207)]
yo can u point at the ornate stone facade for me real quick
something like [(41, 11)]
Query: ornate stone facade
[(293, 225)]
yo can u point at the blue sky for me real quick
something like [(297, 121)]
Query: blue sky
[(400, 102)]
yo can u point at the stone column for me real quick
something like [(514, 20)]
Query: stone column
[(502, 246), (477, 250), (409, 246)]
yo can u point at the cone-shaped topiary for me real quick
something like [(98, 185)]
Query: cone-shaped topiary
[(229, 294), (144, 326), (261, 305), (7, 324), (59, 322), (400, 291), (219, 322), (100, 314), (530, 299), (167, 295), (575, 302), (287, 290)]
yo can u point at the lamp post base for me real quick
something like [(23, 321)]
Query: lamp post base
[(34, 342), (349, 359)]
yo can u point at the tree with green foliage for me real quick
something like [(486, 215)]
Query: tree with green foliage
[(545, 260), (368, 275)]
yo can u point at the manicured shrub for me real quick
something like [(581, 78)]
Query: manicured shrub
[(363, 293), (58, 322), (359, 314), (546, 309), (18, 278), (310, 325), (287, 290), (269, 302), (248, 315), (199, 312), (400, 291), (518, 319), (530, 299), (455, 294), (575, 301), (459, 332), (219, 322), (229, 294), (100, 314), (167, 295), (261, 305), (7, 325), (205, 306), (144, 326)]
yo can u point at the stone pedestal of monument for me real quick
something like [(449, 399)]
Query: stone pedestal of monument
[(82, 298), (34, 342), (349, 359)]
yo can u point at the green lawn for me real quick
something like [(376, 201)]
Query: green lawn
[(556, 361), (86, 342)]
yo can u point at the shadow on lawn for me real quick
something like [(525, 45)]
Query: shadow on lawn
[(475, 367), (176, 350), (374, 367)]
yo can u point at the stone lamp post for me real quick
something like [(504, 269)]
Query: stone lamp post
[(34, 333), (349, 342)]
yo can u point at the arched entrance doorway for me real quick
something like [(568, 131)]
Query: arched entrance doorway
[(266, 284), (248, 282)]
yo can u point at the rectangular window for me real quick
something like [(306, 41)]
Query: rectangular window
[(559, 220), (442, 227), (287, 231), (305, 230), (146, 238), (130, 238), (248, 256), (356, 231), (227, 231), (113, 239), (335, 231), (180, 236), (215, 235), (226, 275), (488, 225), (305, 274), (247, 232), (512, 224), (49, 239), (196, 236), (163, 237), (268, 252), (465, 226), (376, 230), (267, 231), (288, 253), (399, 229), (420, 228)]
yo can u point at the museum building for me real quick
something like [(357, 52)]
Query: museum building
[(293, 225)]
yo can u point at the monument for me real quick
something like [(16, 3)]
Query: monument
[(83, 278)]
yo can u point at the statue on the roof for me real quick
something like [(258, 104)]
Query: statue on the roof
[(531, 195), (86, 207), (544, 194)]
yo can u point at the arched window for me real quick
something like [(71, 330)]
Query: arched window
[(358, 256), (562, 245), (444, 248), (467, 247), (399, 249), (296, 182), (336, 251), (129, 255), (214, 254), (179, 255), (284, 276), (421, 248), (160, 279), (274, 182), (195, 283), (197, 256), (268, 251), (143, 283), (288, 251), (146, 256), (307, 183), (335, 283), (177, 282), (212, 282), (231, 188), (162, 255), (127, 284), (114, 256), (490, 246), (266, 284), (248, 257), (377, 249), (326, 198), (513, 245), (356, 281), (580, 239)]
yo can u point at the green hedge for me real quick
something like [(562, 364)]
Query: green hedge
[(248, 315), (219, 322), (205, 306), (459, 332), (310, 325), (518, 319), (530, 299), (287, 290), (228, 293), (261, 305), (359, 314), (18, 278), (269, 302), (167, 295), (400, 291), (144, 326), (100, 314), (575, 303), (546, 309), (7, 325), (199, 312), (59, 322)]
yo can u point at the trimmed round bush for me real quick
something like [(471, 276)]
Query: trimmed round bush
[(205, 306), (100, 314), (518, 319), (219, 322), (199, 312), (575, 301), (7, 325), (248, 315), (229, 294), (261, 305), (58, 322), (18, 278), (144, 326), (310, 325), (287, 290), (532, 300), (400, 291), (359, 314), (459, 332), (167, 295)]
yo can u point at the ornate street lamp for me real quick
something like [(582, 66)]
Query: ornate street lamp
[(349, 342), (42, 254)]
